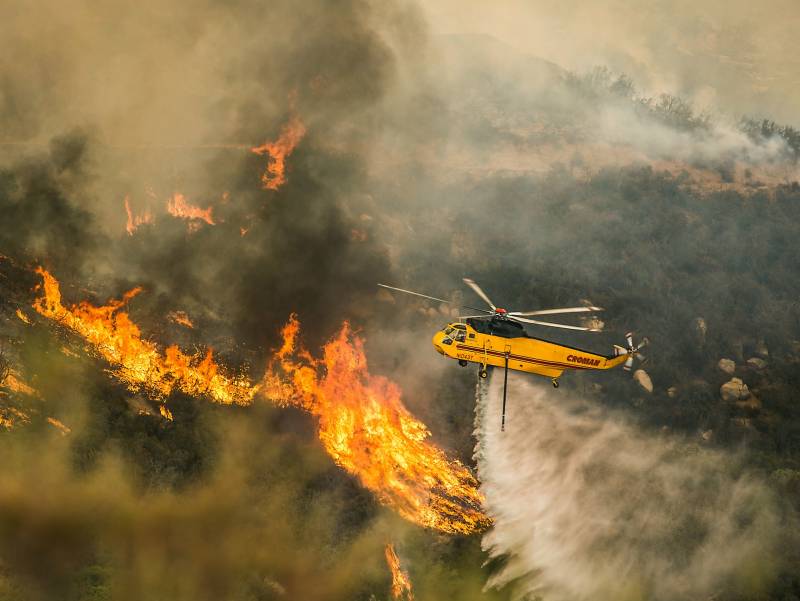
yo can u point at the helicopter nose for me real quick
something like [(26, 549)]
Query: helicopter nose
[(437, 342)]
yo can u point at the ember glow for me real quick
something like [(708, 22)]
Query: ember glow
[(134, 221), (138, 362), (178, 206), (365, 427), (274, 175), (401, 583)]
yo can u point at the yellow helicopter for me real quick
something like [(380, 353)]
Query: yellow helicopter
[(497, 338)]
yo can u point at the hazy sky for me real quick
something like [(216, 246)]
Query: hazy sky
[(738, 55)]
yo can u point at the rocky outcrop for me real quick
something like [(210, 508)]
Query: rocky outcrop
[(643, 380), (734, 390), (672, 392), (727, 365), (756, 363)]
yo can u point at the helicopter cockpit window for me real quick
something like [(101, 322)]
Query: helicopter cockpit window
[(460, 335), (448, 331), (498, 327)]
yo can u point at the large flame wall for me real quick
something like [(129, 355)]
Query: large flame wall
[(363, 424)]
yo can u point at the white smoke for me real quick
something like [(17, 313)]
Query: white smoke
[(588, 506)]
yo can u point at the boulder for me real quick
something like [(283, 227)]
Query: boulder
[(734, 390), (672, 392), (643, 380), (707, 435), (756, 363), (727, 365)]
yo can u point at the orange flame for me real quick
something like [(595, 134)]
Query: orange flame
[(365, 427), (178, 206), (22, 317), (134, 221), (10, 417), (180, 317), (14, 382), (165, 412), (363, 424), (59, 426), (274, 175), (138, 362), (401, 583)]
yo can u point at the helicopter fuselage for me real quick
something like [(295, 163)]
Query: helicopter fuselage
[(495, 341)]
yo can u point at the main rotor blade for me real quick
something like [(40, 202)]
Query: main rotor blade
[(555, 311), (554, 325), (441, 300), (479, 292)]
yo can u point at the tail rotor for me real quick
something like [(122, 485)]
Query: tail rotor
[(632, 351)]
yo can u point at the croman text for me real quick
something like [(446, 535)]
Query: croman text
[(583, 360)]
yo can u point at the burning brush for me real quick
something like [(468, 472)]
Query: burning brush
[(363, 424), (274, 175), (401, 583)]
